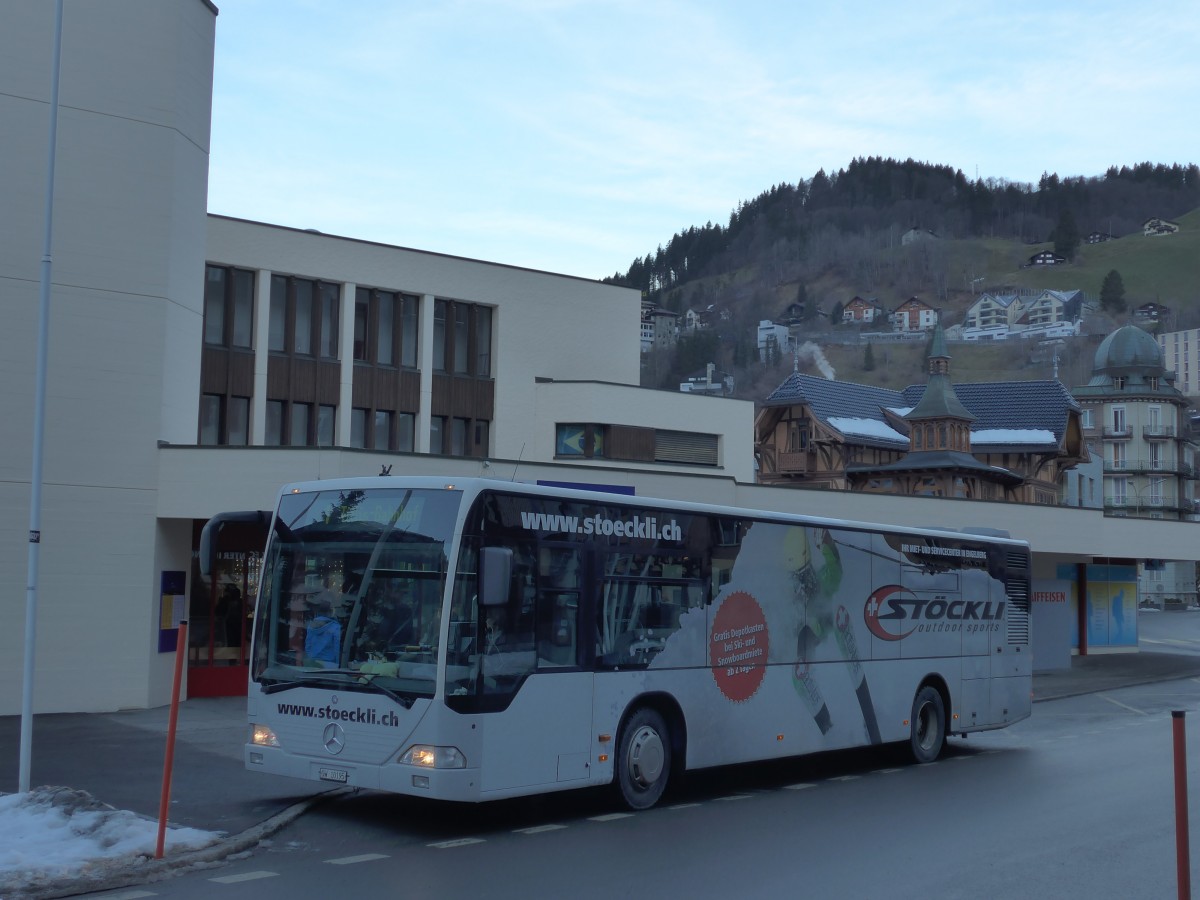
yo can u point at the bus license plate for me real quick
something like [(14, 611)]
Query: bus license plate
[(340, 775)]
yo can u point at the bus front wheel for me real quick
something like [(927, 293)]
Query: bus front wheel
[(643, 759), (928, 725)]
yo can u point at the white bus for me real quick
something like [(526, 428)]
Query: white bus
[(483, 639)]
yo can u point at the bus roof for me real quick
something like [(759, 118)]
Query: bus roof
[(472, 487)]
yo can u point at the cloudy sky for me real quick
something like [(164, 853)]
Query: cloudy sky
[(575, 136)]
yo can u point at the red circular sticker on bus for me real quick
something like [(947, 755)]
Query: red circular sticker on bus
[(737, 646)]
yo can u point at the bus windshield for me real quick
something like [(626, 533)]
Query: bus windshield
[(352, 589)]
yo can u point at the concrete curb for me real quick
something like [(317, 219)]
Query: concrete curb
[(119, 873)]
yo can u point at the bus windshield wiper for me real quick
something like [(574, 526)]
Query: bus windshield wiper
[(316, 678), (406, 702)]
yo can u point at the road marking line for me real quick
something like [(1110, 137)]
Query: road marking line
[(244, 876), (610, 817), (736, 797), (886, 771), (845, 777), (351, 860), (1140, 712), (458, 842), (684, 806), (538, 829), (799, 787), (130, 895)]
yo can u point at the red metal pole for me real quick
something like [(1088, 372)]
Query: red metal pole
[(1183, 868), (165, 799)]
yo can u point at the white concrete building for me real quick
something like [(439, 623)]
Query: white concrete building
[(198, 362), (261, 348)]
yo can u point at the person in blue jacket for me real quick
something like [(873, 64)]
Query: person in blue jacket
[(323, 640)]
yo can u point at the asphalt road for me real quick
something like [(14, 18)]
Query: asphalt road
[(1075, 802)]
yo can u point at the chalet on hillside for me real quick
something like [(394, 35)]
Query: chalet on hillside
[(917, 234), (913, 314), (1045, 258), (1099, 237), (1156, 227), (1149, 313), (860, 311)]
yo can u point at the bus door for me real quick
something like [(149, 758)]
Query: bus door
[(534, 660)]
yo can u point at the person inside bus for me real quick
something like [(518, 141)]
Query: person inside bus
[(323, 639)]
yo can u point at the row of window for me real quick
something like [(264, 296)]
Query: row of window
[(305, 314), (225, 421), (593, 441)]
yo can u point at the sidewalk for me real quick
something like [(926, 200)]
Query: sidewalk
[(118, 759), (1105, 672)]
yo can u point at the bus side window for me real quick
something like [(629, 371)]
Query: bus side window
[(558, 580)]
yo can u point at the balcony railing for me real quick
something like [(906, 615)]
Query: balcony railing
[(1148, 506), (1124, 433), (1148, 467), (796, 462), (1158, 432)]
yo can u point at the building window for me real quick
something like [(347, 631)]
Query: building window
[(358, 428), (1085, 418), (440, 308), (462, 338), (274, 431), (687, 447), (224, 420), (298, 430), (1118, 419), (326, 416), (229, 307), (483, 342), (385, 327), (1119, 382), (381, 430), (578, 439), (462, 332), (304, 317), (210, 419), (405, 431), (437, 429), (238, 422)]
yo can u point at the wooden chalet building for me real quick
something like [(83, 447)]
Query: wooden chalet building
[(1008, 441)]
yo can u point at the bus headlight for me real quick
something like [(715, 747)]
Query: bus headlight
[(263, 736), (433, 757)]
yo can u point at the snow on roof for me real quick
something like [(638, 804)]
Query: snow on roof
[(866, 428), (1012, 436)]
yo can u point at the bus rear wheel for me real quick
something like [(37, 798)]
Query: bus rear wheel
[(643, 760), (927, 725)]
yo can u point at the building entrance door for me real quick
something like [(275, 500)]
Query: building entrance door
[(220, 611)]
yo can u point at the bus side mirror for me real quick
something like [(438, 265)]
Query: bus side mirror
[(212, 529), (495, 574)]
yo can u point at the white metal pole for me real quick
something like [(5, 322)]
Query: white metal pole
[(39, 419)]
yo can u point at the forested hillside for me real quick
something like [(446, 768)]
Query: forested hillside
[(823, 240)]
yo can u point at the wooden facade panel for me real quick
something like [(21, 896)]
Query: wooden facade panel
[(328, 382), (629, 442), (391, 389), (214, 370), (278, 377), (241, 374), (464, 398)]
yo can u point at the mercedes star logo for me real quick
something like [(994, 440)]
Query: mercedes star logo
[(334, 737)]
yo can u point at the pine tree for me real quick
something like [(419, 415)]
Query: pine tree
[(1066, 234), (1112, 293), (869, 358), (835, 315)]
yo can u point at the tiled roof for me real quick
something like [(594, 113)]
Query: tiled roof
[(1010, 404), (1022, 405)]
